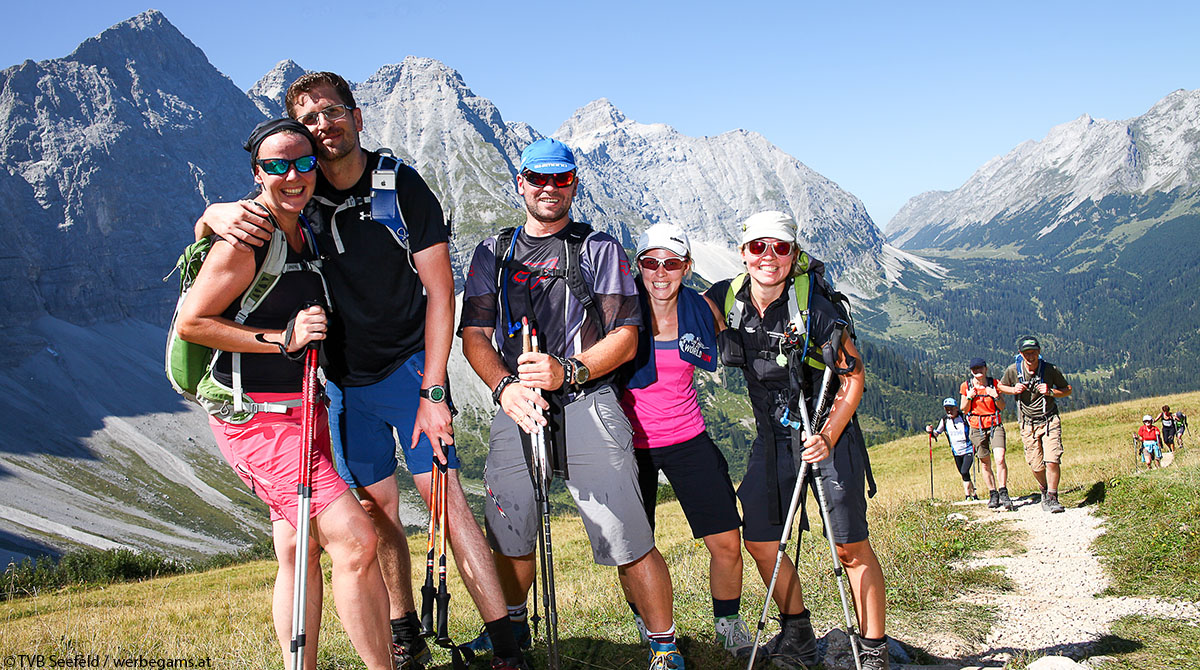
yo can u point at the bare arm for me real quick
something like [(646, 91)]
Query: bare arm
[(433, 418), (226, 274), (238, 223), (845, 403), (518, 400), (616, 348)]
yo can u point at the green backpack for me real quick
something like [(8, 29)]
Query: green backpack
[(189, 365)]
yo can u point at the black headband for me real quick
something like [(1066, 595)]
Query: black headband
[(271, 126)]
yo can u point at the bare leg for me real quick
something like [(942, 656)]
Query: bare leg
[(1001, 468), (516, 576), (471, 552), (866, 579), (649, 583), (284, 537), (346, 532), (1053, 474), (382, 503), (787, 594), (988, 477), (725, 564)]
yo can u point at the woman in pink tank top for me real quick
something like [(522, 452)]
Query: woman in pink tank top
[(669, 435)]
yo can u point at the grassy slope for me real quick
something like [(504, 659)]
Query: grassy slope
[(224, 614)]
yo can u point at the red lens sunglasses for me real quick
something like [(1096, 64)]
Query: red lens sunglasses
[(759, 247), (560, 179), (651, 264)]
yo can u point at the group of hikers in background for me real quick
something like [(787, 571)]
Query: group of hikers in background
[(1152, 442), (591, 362), (975, 428)]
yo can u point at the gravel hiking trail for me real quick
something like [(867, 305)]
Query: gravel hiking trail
[(1053, 608)]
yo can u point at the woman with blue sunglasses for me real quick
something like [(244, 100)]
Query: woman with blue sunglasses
[(264, 451)]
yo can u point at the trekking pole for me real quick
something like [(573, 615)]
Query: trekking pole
[(797, 502), (838, 569), (460, 657), (428, 592), (308, 409), (930, 466), (542, 476)]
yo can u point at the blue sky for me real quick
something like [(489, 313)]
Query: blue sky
[(887, 99)]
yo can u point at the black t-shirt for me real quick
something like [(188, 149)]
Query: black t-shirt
[(273, 373), (762, 340), (378, 317)]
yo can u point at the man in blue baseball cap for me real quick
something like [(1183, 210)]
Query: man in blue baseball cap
[(574, 286)]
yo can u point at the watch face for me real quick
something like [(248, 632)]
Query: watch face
[(582, 374), (435, 393)]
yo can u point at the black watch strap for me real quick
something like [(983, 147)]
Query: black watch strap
[(501, 386), (435, 393)]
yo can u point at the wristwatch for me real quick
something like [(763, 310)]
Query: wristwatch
[(435, 393), (580, 374)]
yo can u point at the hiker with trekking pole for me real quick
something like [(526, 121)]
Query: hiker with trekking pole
[(386, 259), (669, 434), (273, 429), (1150, 439), (790, 333), (980, 401), (1037, 386), (573, 285), (958, 432)]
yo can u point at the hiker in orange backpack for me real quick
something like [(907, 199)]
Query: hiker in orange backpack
[(980, 400)]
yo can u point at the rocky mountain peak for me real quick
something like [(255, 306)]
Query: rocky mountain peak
[(595, 118), (268, 92)]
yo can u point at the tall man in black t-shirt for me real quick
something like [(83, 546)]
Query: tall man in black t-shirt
[(389, 338)]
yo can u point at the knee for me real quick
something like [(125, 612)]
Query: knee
[(762, 552), (725, 549), (356, 550), (856, 555)]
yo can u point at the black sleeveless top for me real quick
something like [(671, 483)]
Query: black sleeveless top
[(274, 373)]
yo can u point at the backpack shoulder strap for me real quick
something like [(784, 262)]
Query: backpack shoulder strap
[(385, 202), (578, 234), (732, 308)]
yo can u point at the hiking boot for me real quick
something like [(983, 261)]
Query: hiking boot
[(517, 663), (734, 636), (1004, 502), (873, 658), (1051, 504), (665, 656), (412, 656), (794, 646), (483, 642), (993, 499), (643, 636)]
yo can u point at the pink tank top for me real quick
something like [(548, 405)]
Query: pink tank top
[(666, 412)]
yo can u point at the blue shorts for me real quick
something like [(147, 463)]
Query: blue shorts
[(361, 419)]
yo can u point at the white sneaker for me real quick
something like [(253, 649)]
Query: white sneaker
[(734, 636)]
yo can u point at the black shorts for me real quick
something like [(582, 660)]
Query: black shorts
[(1168, 433), (699, 474), (964, 463), (843, 477)]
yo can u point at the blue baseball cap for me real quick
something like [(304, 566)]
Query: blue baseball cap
[(547, 156), (977, 363), (949, 402)]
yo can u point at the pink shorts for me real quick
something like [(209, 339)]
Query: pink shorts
[(265, 453)]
